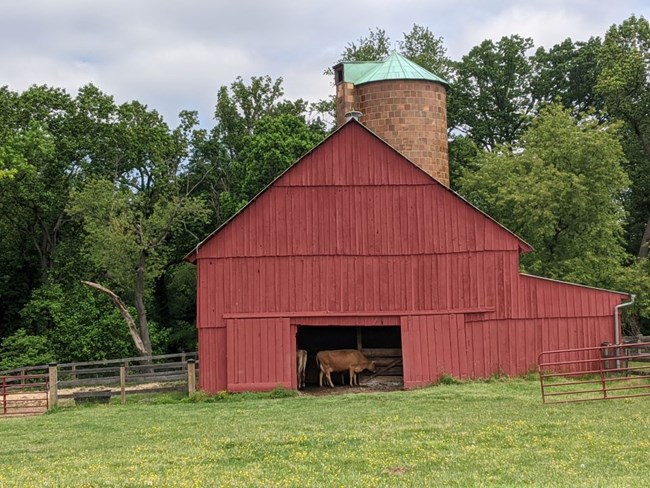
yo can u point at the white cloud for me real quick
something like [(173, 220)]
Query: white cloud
[(174, 55)]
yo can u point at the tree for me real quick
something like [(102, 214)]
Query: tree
[(276, 144), (568, 73), (421, 46), (560, 191), (50, 140), (129, 219), (258, 133), (77, 324), (371, 48), (490, 98), (624, 84)]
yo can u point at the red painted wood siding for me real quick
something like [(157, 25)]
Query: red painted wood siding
[(378, 204), (433, 345), (353, 283), (212, 359), (356, 228), (261, 354)]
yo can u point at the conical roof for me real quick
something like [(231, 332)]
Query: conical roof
[(392, 67)]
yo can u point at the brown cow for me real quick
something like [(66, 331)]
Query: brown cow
[(301, 358), (341, 361)]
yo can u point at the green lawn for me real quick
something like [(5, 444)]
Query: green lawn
[(495, 434)]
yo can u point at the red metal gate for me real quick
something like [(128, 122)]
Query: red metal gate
[(606, 372), (26, 394)]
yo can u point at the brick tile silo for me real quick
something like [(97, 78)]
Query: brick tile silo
[(401, 102)]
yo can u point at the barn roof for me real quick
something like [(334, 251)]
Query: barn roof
[(192, 256)]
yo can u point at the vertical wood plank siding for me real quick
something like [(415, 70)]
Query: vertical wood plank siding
[(261, 354), (355, 227)]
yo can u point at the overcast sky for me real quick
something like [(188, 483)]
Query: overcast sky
[(174, 55)]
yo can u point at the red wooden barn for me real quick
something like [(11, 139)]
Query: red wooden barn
[(357, 246)]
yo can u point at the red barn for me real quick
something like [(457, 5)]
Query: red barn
[(355, 246)]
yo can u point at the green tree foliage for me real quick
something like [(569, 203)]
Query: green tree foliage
[(258, 135), (130, 218), (178, 305), (79, 325), (490, 99), (420, 45), (561, 192), (22, 349), (50, 140), (567, 73), (371, 48), (276, 144), (624, 85)]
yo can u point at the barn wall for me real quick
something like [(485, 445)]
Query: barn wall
[(513, 346), (433, 345), (369, 284), (261, 354), (212, 359), (356, 196), (356, 229)]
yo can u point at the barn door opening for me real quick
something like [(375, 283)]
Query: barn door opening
[(382, 344)]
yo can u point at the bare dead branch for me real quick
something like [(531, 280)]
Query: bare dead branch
[(137, 340)]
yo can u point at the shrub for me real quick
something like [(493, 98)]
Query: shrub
[(22, 349)]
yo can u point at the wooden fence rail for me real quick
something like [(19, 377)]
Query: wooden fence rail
[(181, 357), (163, 373)]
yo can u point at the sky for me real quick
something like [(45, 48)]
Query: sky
[(174, 55)]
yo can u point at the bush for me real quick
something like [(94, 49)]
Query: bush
[(21, 349)]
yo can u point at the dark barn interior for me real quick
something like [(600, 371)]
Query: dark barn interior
[(382, 344)]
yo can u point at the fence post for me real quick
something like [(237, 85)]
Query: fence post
[(123, 384), (191, 377), (54, 385), (4, 395), (183, 360), (22, 373)]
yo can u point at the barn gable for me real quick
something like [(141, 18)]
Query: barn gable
[(355, 195)]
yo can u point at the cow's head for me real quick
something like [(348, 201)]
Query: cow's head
[(372, 367)]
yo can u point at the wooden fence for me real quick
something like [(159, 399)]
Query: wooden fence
[(154, 374), (640, 351)]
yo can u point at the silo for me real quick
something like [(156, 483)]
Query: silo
[(401, 102)]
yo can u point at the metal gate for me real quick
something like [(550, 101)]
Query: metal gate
[(26, 394), (607, 372)]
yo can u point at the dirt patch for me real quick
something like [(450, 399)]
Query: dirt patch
[(375, 384), (21, 404)]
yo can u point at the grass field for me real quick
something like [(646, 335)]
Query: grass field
[(494, 433)]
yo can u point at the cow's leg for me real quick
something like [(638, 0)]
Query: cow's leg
[(351, 376), (328, 377)]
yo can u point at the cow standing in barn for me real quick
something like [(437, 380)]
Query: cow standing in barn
[(340, 361), (301, 360)]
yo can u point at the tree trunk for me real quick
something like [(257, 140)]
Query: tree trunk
[(645, 241), (133, 329), (139, 302)]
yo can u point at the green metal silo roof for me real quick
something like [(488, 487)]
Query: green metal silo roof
[(393, 67)]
